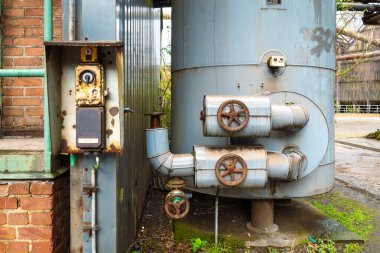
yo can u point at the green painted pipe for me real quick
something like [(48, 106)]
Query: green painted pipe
[(22, 72), (48, 20)]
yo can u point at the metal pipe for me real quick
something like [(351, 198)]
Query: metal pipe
[(72, 20), (216, 214), (93, 204), (162, 160), (22, 72), (262, 216), (359, 7), (48, 20), (357, 56)]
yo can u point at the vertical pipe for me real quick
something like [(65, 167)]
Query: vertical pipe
[(262, 216), (216, 215), (93, 211), (48, 36), (48, 20), (71, 20)]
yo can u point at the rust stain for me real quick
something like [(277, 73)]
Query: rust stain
[(64, 147), (109, 132), (70, 92), (113, 148), (113, 122), (64, 113), (74, 126), (114, 111)]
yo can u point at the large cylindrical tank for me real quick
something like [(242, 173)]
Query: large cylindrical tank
[(221, 47)]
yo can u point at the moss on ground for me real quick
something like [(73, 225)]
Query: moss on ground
[(375, 135)]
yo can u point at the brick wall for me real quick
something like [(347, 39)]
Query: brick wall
[(22, 22), (34, 216)]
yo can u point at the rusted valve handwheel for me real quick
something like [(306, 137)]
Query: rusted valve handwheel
[(176, 205), (229, 162), (232, 115)]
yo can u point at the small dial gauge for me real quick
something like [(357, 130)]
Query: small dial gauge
[(87, 77)]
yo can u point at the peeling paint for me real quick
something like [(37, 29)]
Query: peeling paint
[(114, 111)]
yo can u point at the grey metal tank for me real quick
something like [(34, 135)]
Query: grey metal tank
[(221, 47)]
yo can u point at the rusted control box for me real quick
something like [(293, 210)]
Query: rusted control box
[(85, 88)]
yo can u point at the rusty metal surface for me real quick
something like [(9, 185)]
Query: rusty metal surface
[(176, 205), (238, 116), (62, 86), (155, 119), (231, 170), (262, 217), (89, 92)]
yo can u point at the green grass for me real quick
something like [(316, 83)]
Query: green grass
[(375, 135), (348, 213)]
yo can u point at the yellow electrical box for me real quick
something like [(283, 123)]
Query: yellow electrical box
[(89, 85), (89, 54)]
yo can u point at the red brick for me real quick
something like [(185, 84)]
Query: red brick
[(14, 12), (7, 233), (42, 247), (34, 233), (4, 189), (7, 101), (28, 41), (34, 51), (34, 111), (13, 51), (19, 188), (7, 41), (32, 121), (6, 3), (13, 111), (42, 188), (7, 61), (34, 12), (35, 31), (7, 81), (34, 203), (27, 101), (18, 247), (27, 3), (28, 22), (43, 219), (3, 247), (13, 31), (3, 218), (28, 61), (18, 218), (8, 203), (28, 82), (13, 91), (34, 91)]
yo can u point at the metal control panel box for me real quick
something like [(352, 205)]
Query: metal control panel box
[(86, 96)]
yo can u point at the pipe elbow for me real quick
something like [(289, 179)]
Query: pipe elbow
[(289, 117), (162, 159)]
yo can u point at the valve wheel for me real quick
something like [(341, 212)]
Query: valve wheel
[(176, 205), (232, 115), (231, 170)]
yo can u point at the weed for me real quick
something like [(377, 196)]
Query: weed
[(273, 250), (321, 246), (352, 248), (198, 244), (375, 135)]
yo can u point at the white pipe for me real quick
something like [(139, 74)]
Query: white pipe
[(93, 205), (72, 20), (162, 160), (288, 117)]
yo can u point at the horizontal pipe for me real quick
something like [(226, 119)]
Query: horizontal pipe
[(359, 7), (22, 72), (357, 56)]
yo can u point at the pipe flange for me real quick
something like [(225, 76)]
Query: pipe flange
[(176, 183)]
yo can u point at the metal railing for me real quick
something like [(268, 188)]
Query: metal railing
[(357, 108)]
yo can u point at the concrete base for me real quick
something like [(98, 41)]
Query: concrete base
[(295, 223)]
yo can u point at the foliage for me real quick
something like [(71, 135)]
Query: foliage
[(353, 248), (198, 244), (374, 135), (273, 250), (352, 217), (321, 246)]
